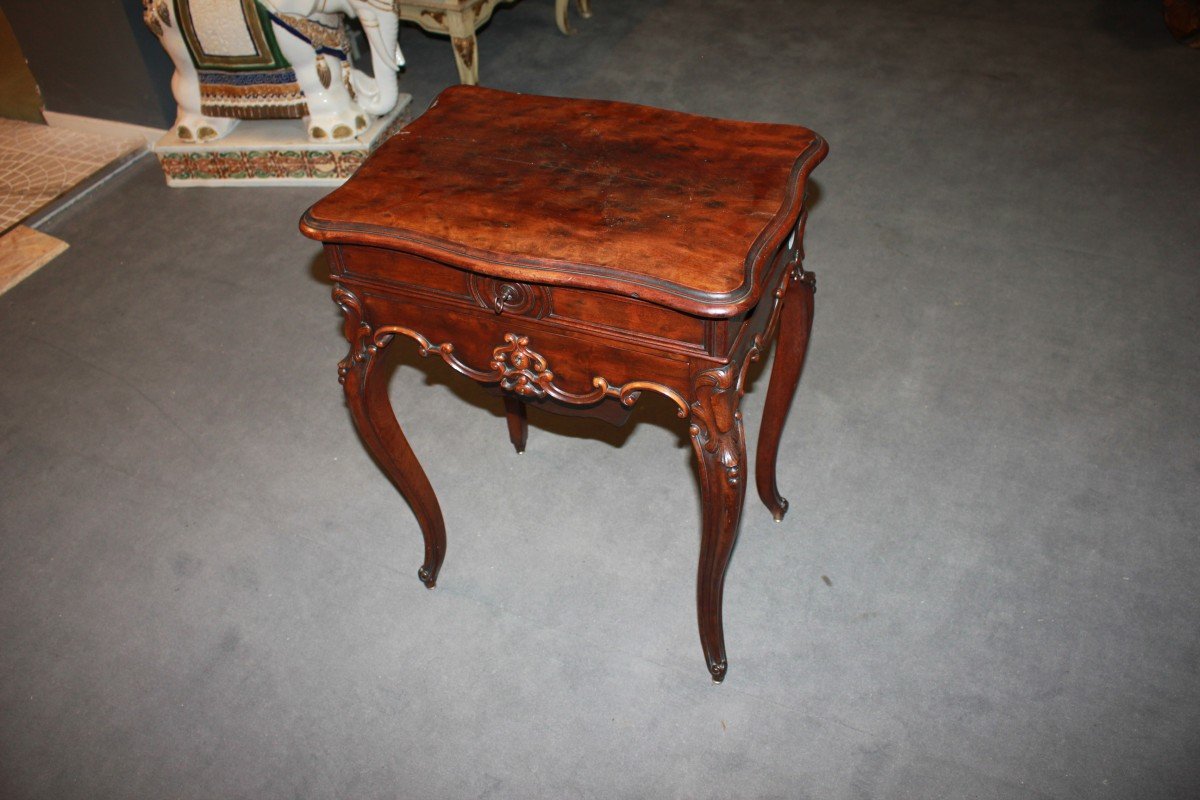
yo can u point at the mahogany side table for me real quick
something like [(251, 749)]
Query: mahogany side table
[(574, 254)]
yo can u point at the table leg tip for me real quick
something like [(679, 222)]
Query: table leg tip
[(780, 511), (427, 578), (718, 671)]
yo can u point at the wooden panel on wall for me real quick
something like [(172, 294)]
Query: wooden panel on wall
[(19, 95)]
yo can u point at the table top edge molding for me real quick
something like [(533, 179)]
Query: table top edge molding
[(512, 266)]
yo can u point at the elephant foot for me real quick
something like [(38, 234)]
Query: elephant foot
[(198, 128), (326, 127)]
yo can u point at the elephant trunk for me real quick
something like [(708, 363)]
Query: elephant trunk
[(381, 28)]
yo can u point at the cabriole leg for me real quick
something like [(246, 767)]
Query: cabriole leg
[(518, 425), (466, 47), (560, 16), (719, 442), (366, 394), (795, 325)]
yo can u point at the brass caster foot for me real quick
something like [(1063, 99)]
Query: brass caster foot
[(426, 578)]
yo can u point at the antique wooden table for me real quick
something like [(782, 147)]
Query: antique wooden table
[(574, 254)]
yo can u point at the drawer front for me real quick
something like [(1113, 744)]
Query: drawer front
[(597, 312), (626, 314), (533, 359), (402, 270)]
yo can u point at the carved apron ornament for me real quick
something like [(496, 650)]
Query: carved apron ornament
[(521, 370), (514, 365)]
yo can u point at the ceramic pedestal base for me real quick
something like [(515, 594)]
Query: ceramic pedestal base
[(274, 152)]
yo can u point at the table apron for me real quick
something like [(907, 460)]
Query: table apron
[(531, 358)]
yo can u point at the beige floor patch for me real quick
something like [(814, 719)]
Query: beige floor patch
[(22, 252)]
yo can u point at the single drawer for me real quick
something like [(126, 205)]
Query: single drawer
[(612, 312), (601, 312), (403, 270)]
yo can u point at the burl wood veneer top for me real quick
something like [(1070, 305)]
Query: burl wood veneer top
[(673, 208)]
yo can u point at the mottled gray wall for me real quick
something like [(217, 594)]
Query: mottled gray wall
[(95, 58)]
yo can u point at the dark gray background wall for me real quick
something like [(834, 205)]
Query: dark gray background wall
[(95, 58)]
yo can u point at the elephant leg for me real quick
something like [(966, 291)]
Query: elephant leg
[(191, 124), (332, 113), (466, 47)]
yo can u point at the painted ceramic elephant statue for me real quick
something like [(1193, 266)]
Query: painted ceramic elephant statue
[(269, 59)]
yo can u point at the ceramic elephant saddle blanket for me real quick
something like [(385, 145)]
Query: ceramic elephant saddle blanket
[(242, 72)]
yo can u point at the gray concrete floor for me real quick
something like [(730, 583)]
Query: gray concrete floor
[(209, 590)]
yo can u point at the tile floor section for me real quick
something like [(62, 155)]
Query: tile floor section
[(39, 164)]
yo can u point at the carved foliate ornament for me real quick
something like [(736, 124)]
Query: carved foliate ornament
[(715, 420), (716, 428), (521, 370), (356, 330)]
